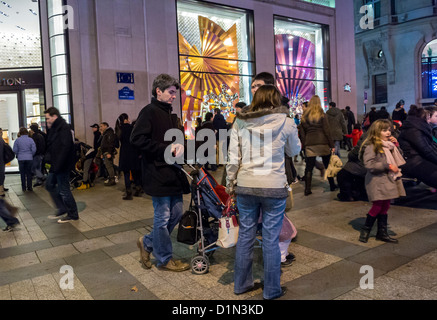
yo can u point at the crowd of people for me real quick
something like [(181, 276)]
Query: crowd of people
[(381, 152)]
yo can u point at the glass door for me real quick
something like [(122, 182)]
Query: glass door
[(10, 123)]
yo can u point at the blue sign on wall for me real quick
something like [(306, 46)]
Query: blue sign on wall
[(125, 77), (126, 94)]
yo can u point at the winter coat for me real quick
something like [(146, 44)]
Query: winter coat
[(267, 172), (416, 142), (24, 148), (159, 178), (60, 152), (2, 162), (337, 124), (399, 114), (350, 121), (316, 137), (129, 155), (109, 141), (379, 185), (355, 136), (219, 123), (40, 143)]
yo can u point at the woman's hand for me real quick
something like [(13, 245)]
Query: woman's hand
[(393, 168)]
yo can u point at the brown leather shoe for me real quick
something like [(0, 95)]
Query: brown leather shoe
[(176, 266), (144, 254)]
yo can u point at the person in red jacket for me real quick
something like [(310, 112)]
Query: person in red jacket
[(356, 134)]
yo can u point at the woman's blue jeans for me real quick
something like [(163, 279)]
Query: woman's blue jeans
[(273, 210), (167, 214)]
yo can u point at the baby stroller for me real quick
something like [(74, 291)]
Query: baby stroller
[(208, 199), (76, 175)]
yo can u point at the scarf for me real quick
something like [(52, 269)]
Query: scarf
[(393, 157)]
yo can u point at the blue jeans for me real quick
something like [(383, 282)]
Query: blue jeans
[(36, 167), (58, 185), (167, 214), (273, 210), (6, 215), (337, 147)]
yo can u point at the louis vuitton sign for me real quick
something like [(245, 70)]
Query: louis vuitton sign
[(11, 82)]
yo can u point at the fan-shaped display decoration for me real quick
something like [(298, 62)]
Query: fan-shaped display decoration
[(203, 72), (293, 56)]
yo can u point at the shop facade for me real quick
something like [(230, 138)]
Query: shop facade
[(397, 55), (100, 57)]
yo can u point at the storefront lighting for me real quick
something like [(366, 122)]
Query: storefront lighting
[(228, 42)]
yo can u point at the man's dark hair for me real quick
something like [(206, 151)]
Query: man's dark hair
[(268, 78), (348, 108), (332, 104), (208, 116), (52, 111), (217, 111), (163, 82)]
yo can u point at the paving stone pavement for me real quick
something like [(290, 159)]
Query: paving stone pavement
[(100, 250)]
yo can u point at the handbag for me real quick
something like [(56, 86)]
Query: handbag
[(187, 230), (8, 153), (228, 226)]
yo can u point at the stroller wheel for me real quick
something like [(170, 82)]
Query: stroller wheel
[(199, 265)]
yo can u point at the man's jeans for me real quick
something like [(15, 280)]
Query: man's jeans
[(36, 168), (58, 185), (6, 215), (273, 210), (167, 214), (337, 147)]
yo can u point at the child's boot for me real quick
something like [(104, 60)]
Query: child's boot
[(365, 230), (382, 233)]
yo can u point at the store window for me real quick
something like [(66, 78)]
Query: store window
[(429, 71), (302, 64), (57, 11), (216, 59)]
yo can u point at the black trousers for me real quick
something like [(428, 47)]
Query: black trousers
[(352, 187)]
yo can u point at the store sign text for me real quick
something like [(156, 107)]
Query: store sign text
[(11, 82)]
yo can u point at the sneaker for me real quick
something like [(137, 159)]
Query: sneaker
[(287, 263), (172, 265), (67, 219), (283, 292), (144, 254), (11, 227), (57, 215)]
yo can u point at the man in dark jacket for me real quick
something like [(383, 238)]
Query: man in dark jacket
[(39, 154), (162, 180), (108, 146), (219, 123), (208, 124), (337, 125), (61, 157)]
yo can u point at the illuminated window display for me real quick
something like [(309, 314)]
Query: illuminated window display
[(215, 59), (429, 70), (301, 62)]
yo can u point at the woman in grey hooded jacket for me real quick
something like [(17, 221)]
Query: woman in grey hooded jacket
[(260, 138)]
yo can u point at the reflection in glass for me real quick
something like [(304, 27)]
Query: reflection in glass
[(214, 59)]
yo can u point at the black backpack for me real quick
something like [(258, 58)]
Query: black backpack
[(8, 154), (187, 231)]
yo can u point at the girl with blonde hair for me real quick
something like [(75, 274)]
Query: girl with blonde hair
[(382, 159), (316, 140)]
